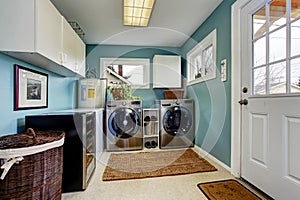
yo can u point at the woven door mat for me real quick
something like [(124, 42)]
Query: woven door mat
[(226, 189), (154, 164)]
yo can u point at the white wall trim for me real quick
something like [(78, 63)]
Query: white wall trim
[(204, 154), (236, 56)]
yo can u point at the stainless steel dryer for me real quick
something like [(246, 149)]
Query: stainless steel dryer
[(177, 126), (124, 127)]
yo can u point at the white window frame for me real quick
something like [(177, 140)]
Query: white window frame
[(267, 92), (128, 61), (209, 40)]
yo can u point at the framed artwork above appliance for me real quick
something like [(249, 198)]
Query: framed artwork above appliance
[(30, 89)]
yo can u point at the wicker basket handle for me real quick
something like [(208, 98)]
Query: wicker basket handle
[(30, 132)]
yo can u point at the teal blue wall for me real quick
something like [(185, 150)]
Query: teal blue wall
[(95, 52), (213, 98), (61, 95)]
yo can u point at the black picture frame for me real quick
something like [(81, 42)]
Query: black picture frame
[(30, 88)]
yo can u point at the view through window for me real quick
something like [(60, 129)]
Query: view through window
[(132, 71), (276, 48), (201, 60)]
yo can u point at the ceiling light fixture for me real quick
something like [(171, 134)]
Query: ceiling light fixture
[(137, 12)]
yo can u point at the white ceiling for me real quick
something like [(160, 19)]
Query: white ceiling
[(172, 22)]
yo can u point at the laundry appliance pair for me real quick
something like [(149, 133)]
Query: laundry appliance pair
[(124, 129)]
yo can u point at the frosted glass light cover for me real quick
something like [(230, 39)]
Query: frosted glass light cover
[(137, 12)]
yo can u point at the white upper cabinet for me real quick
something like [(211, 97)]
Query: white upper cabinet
[(73, 55), (48, 30), (166, 71), (68, 46), (34, 31), (80, 57), (17, 22)]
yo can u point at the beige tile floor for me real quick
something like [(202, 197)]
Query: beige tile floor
[(160, 188)]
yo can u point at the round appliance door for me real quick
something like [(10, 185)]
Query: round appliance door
[(124, 123), (177, 121)]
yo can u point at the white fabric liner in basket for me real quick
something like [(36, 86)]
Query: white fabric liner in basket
[(11, 156)]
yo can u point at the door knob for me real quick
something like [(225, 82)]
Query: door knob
[(243, 102)]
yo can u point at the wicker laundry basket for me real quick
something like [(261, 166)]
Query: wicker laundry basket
[(36, 160)]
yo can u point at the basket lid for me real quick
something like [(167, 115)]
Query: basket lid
[(30, 138)]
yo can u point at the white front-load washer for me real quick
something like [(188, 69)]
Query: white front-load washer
[(177, 126), (123, 125)]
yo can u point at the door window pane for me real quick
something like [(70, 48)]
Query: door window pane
[(277, 14), (273, 32), (259, 23), (295, 75), (259, 52), (278, 45), (259, 80), (277, 78), (295, 12), (295, 38)]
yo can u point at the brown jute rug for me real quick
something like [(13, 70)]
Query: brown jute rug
[(123, 166), (227, 190)]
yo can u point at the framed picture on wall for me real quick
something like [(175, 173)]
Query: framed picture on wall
[(30, 89)]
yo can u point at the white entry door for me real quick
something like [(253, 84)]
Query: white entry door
[(270, 96)]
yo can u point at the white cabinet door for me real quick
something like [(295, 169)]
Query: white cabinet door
[(166, 71), (73, 50), (69, 46), (80, 57), (17, 25), (48, 31)]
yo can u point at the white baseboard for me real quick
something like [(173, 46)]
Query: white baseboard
[(204, 154)]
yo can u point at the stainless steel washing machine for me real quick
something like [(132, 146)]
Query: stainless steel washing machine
[(124, 127), (177, 126)]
